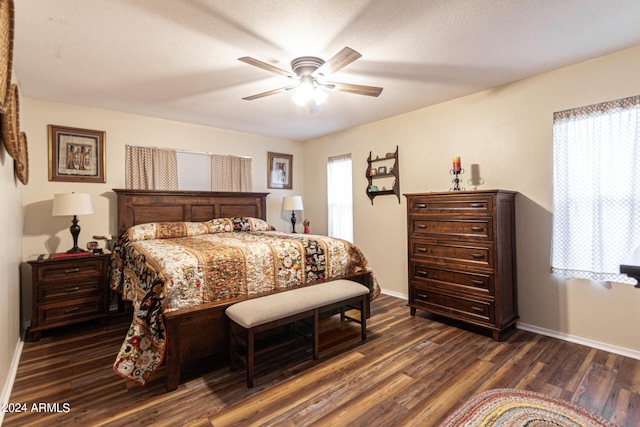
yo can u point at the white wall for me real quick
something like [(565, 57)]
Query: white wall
[(507, 131), (44, 233), (10, 257)]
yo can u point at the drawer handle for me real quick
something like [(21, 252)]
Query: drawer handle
[(477, 256), (71, 270), (421, 273), (421, 205), (421, 250), (77, 288), (477, 229), (477, 282), (71, 310), (477, 205), (478, 309), (421, 226), (423, 296)]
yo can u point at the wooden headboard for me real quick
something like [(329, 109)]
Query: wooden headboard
[(142, 206)]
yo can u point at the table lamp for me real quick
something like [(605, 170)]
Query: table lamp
[(75, 204), (292, 203)]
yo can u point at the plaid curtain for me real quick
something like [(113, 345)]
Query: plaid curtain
[(150, 168), (231, 173)]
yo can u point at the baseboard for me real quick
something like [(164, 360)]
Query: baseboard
[(394, 294), (11, 376), (622, 351)]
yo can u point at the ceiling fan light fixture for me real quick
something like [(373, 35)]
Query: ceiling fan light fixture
[(305, 92)]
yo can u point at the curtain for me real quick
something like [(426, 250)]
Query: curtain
[(150, 168), (340, 197), (596, 189), (231, 173)]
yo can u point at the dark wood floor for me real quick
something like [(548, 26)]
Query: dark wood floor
[(410, 371)]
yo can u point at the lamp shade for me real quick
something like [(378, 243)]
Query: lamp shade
[(68, 204), (292, 203)]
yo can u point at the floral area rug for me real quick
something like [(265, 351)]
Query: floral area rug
[(511, 407)]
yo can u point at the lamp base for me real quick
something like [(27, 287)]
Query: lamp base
[(75, 232), (293, 222), (75, 250)]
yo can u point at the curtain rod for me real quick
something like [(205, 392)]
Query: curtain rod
[(188, 151)]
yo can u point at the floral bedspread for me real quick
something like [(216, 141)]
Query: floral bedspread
[(169, 266)]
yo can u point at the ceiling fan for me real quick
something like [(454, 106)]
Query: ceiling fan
[(309, 76)]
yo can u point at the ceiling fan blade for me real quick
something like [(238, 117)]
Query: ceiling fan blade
[(270, 92), (357, 89), (343, 58), (265, 66)]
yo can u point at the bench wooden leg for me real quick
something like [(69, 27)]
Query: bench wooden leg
[(250, 356), (316, 333), (364, 305)]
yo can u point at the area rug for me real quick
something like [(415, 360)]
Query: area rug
[(511, 407)]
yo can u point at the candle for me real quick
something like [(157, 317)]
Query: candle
[(456, 164)]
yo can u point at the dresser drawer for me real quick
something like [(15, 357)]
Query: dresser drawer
[(448, 253), (468, 204), (49, 314), (70, 290), (64, 270), (448, 305), (451, 280), (476, 229)]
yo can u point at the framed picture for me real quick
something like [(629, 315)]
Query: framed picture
[(280, 170), (76, 155), (382, 170)]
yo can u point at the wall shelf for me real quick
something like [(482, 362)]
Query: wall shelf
[(383, 173)]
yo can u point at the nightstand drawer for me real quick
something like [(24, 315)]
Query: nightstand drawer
[(70, 290), (446, 205), (78, 269), (448, 253), (475, 229), (50, 314)]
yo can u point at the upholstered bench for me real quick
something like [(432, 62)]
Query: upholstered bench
[(261, 314)]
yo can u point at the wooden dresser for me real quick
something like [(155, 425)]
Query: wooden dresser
[(68, 290), (462, 257)]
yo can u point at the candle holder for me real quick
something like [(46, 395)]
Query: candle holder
[(456, 181)]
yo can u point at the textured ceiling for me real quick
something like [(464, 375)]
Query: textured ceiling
[(177, 60)]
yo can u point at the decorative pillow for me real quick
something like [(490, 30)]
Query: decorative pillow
[(166, 230), (226, 225)]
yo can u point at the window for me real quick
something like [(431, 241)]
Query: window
[(596, 189), (194, 171), (340, 197)]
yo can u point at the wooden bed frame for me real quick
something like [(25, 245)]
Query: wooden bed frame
[(197, 332)]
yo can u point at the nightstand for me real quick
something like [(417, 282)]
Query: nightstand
[(68, 290)]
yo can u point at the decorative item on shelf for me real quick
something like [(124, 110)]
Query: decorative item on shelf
[(73, 204), (93, 247), (292, 203), (107, 240), (383, 171), (306, 226), (456, 171)]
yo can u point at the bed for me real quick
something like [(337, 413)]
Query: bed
[(182, 257)]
